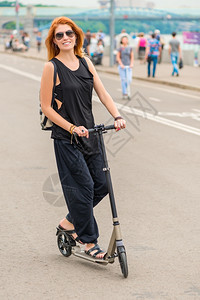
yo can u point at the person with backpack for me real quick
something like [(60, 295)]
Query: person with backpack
[(78, 154), (153, 51)]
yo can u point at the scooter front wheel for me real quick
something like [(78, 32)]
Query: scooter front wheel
[(64, 244), (123, 260)]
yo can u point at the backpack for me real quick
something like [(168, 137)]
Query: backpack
[(45, 123)]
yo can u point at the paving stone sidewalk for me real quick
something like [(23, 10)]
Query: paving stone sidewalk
[(189, 76)]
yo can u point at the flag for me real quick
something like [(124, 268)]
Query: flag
[(17, 6)]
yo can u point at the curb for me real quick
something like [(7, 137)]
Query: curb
[(99, 69), (173, 84), (24, 56)]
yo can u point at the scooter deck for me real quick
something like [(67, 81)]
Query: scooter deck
[(77, 251)]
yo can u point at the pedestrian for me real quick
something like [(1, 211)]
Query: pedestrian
[(88, 35), (23, 36), (175, 53), (100, 36), (162, 43), (18, 47), (78, 155), (141, 47), (93, 43), (115, 50), (27, 40), (125, 59), (86, 45), (39, 40), (98, 53), (153, 51)]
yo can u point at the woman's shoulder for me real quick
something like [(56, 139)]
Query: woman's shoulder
[(48, 67), (120, 49), (89, 65), (86, 61)]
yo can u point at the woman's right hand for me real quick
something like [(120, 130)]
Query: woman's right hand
[(119, 123), (81, 131)]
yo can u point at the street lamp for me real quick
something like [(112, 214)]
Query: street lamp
[(112, 31), (17, 17)]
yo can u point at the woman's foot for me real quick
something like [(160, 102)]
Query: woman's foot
[(65, 224), (125, 96), (96, 253)]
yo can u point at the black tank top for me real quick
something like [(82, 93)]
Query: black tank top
[(75, 93)]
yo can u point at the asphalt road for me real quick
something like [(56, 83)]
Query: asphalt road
[(155, 168)]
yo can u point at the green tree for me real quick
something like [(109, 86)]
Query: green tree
[(12, 25), (93, 26), (9, 3)]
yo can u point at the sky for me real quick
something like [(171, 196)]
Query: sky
[(160, 4)]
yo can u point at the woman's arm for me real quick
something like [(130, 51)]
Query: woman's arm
[(46, 97), (147, 52), (179, 51), (138, 46), (169, 50), (118, 58), (132, 58), (104, 96)]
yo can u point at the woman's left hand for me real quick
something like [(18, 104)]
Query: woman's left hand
[(119, 123)]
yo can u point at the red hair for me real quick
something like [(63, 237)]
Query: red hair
[(52, 49)]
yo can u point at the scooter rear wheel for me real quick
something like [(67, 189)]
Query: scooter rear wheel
[(64, 244), (123, 260)]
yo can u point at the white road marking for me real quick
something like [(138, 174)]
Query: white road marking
[(22, 73), (169, 90), (195, 116), (198, 110), (154, 99), (154, 118), (125, 108)]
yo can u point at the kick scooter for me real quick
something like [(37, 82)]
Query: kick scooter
[(67, 245)]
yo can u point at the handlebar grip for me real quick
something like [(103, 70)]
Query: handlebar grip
[(101, 127), (109, 127), (91, 130)]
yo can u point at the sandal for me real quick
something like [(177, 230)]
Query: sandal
[(69, 233), (96, 247)]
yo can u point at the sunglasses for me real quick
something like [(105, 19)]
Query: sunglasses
[(60, 35)]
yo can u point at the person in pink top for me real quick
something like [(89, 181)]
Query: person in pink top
[(141, 47)]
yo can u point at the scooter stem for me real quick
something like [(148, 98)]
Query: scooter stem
[(116, 237), (106, 169)]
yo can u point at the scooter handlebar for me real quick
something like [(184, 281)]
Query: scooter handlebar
[(101, 127)]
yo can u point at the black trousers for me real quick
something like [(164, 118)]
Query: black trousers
[(84, 186)]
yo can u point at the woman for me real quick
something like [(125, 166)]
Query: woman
[(79, 159), (141, 47), (125, 59)]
